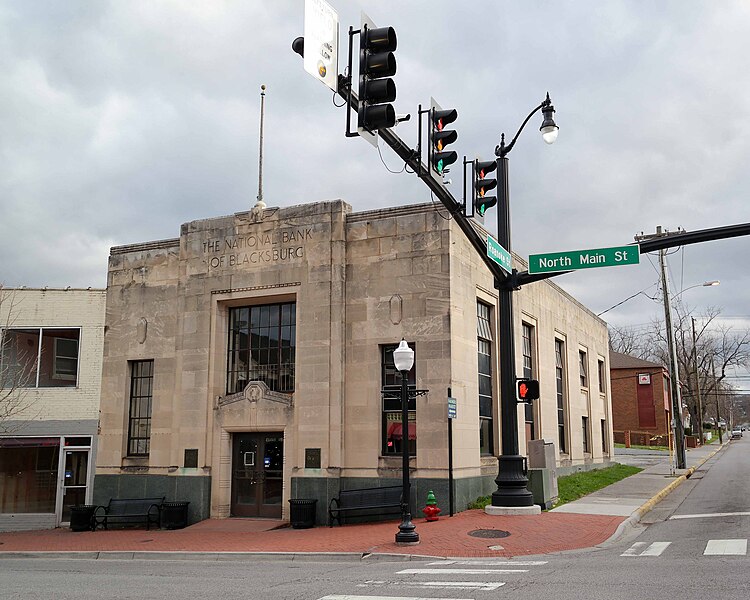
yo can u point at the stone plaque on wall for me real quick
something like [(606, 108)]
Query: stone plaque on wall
[(312, 458), (191, 458)]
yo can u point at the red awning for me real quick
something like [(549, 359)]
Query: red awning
[(28, 442), (394, 431)]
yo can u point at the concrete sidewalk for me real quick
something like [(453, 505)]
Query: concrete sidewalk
[(637, 494), (584, 523)]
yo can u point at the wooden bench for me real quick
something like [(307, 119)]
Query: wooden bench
[(364, 499), (128, 511)]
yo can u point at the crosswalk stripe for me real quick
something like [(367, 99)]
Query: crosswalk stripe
[(491, 563), (641, 549), (459, 571), (726, 547), (655, 549), (634, 550), (351, 597)]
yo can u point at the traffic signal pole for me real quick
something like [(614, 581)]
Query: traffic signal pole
[(511, 480)]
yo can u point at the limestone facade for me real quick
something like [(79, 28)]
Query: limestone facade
[(359, 282)]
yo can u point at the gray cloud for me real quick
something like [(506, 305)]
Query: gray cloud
[(122, 120)]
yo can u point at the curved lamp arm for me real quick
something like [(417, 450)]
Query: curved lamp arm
[(502, 150)]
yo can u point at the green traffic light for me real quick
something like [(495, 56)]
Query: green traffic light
[(440, 166), (481, 210)]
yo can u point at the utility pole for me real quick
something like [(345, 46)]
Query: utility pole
[(678, 432), (697, 383), (716, 397)]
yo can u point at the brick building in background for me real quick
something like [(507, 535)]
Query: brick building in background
[(641, 401)]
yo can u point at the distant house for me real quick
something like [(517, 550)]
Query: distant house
[(51, 344), (641, 405)]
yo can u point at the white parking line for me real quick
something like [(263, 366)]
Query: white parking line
[(725, 548), (710, 515)]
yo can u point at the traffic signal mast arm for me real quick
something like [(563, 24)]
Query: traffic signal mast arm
[(410, 157), (666, 240)]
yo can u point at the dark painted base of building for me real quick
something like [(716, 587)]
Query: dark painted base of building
[(324, 489), (196, 490)]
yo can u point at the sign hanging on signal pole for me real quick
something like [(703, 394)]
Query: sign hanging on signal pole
[(322, 42), (584, 259), (499, 254)]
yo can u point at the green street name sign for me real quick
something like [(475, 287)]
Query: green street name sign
[(499, 254), (584, 259)]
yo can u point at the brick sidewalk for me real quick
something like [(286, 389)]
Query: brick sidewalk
[(449, 536)]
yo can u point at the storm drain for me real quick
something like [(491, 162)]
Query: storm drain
[(489, 533)]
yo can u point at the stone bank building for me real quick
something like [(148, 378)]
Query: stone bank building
[(244, 362)]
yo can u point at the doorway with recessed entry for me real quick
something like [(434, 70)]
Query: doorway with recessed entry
[(257, 474)]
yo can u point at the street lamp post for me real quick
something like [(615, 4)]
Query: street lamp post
[(403, 359), (512, 478)]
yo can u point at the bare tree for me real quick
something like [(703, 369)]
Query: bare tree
[(16, 369), (718, 350), (633, 342)]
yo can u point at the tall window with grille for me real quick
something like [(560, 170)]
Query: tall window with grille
[(528, 373), (141, 397), (392, 429), (561, 400), (484, 369), (262, 346)]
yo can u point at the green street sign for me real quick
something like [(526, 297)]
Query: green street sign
[(584, 259), (499, 254)]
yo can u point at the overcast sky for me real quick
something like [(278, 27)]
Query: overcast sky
[(120, 120)]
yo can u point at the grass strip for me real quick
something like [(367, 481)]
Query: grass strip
[(577, 485)]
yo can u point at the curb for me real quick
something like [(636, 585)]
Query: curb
[(168, 555), (648, 506)]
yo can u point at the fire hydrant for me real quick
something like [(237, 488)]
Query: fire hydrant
[(431, 511)]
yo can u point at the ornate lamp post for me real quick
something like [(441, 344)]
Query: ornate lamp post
[(403, 359), (511, 479)]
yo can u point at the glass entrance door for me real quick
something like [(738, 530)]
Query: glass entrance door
[(257, 474), (75, 476)]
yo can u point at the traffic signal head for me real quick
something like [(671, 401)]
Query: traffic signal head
[(440, 137), (377, 64), (483, 184), (528, 390)]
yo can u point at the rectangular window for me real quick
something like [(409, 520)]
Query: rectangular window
[(39, 357), (262, 346), (392, 428), (604, 436), (484, 373), (28, 474), (560, 387), (583, 368), (528, 373), (602, 377), (141, 396), (585, 434)]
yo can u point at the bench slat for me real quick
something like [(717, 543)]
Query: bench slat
[(364, 499)]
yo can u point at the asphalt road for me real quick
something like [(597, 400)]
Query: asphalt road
[(693, 546)]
